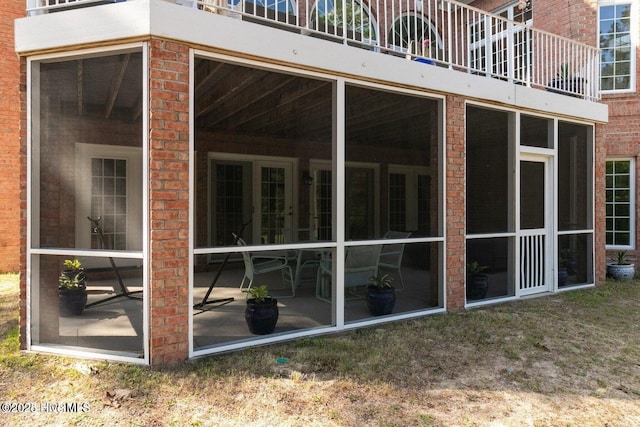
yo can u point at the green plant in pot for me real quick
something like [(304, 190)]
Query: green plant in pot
[(477, 281), (621, 268), (72, 289), (381, 296), (261, 312)]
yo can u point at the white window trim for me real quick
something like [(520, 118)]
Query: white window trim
[(33, 210), (133, 155), (632, 204), (635, 29), (411, 173)]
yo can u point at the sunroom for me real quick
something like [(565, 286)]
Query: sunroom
[(183, 155)]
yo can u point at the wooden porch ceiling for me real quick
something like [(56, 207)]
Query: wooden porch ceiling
[(238, 99), (235, 99)]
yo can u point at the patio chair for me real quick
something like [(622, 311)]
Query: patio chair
[(391, 255), (361, 262), (255, 265)]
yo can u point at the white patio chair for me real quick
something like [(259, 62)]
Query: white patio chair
[(255, 265), (391, 255), (361, 262)]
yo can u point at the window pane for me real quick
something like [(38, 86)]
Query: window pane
[(623, 239), (536, 132), (264, 161), (488, 171), (85, 157), (413, 268), (392, 164), (615, 42), (575, 179), (622, 209), (111, 318), (576, 256), (494, 256), (619, 211)]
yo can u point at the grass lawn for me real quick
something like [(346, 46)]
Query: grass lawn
[(571, 359)]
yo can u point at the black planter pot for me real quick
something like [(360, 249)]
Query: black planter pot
[(72, 301), (563, 275), (261, 317), (380, 301), (477, 286)]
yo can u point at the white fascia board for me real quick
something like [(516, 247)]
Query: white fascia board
[(84, 26), (558, 104), (166, 19)]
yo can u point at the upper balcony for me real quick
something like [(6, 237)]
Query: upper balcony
[(443, 33)]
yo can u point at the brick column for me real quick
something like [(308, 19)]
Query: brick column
[(10, 132), (169, 201), (23, 204), (600, 256), (455, 197)]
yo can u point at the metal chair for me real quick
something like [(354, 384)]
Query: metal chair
[(391, 255), (361, 262), (255, 265)]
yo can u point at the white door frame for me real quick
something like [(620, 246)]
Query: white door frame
[(536, 247), (290, 210), (256, 163)]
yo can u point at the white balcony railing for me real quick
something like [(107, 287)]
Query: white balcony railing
[(439, 32)]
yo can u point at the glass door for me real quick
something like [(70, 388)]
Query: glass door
[(534, 234), (275, 201)]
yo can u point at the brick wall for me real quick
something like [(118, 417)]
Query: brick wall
[(622, 136), (169, 201), (9, 138), (454, 190), (599, 211), (22, 200)]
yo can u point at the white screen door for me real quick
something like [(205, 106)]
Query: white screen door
[(534, 235)]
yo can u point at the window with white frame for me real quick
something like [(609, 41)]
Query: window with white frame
[(412, 34), (501, 46), (619, 203), (409, 198), (327, 16), (617, 29)]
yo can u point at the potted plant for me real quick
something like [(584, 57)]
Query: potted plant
[(261, 312), (72, 290), (563, 268), (381, 296), (477, 282), (621, 268), (568, 260)]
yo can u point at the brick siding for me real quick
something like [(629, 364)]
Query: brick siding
[(455, 200), (169, 201), (9, 138)]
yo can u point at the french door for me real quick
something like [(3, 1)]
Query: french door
[(253, 199), (273, 220), (535, 231)]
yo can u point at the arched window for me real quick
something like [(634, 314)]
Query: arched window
[(327, 16), (412, 34)]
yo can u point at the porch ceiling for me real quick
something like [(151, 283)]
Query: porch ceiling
[(108, 87), (236, 99), (248, 101)]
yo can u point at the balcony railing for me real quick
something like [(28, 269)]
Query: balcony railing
[(436, 32)]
